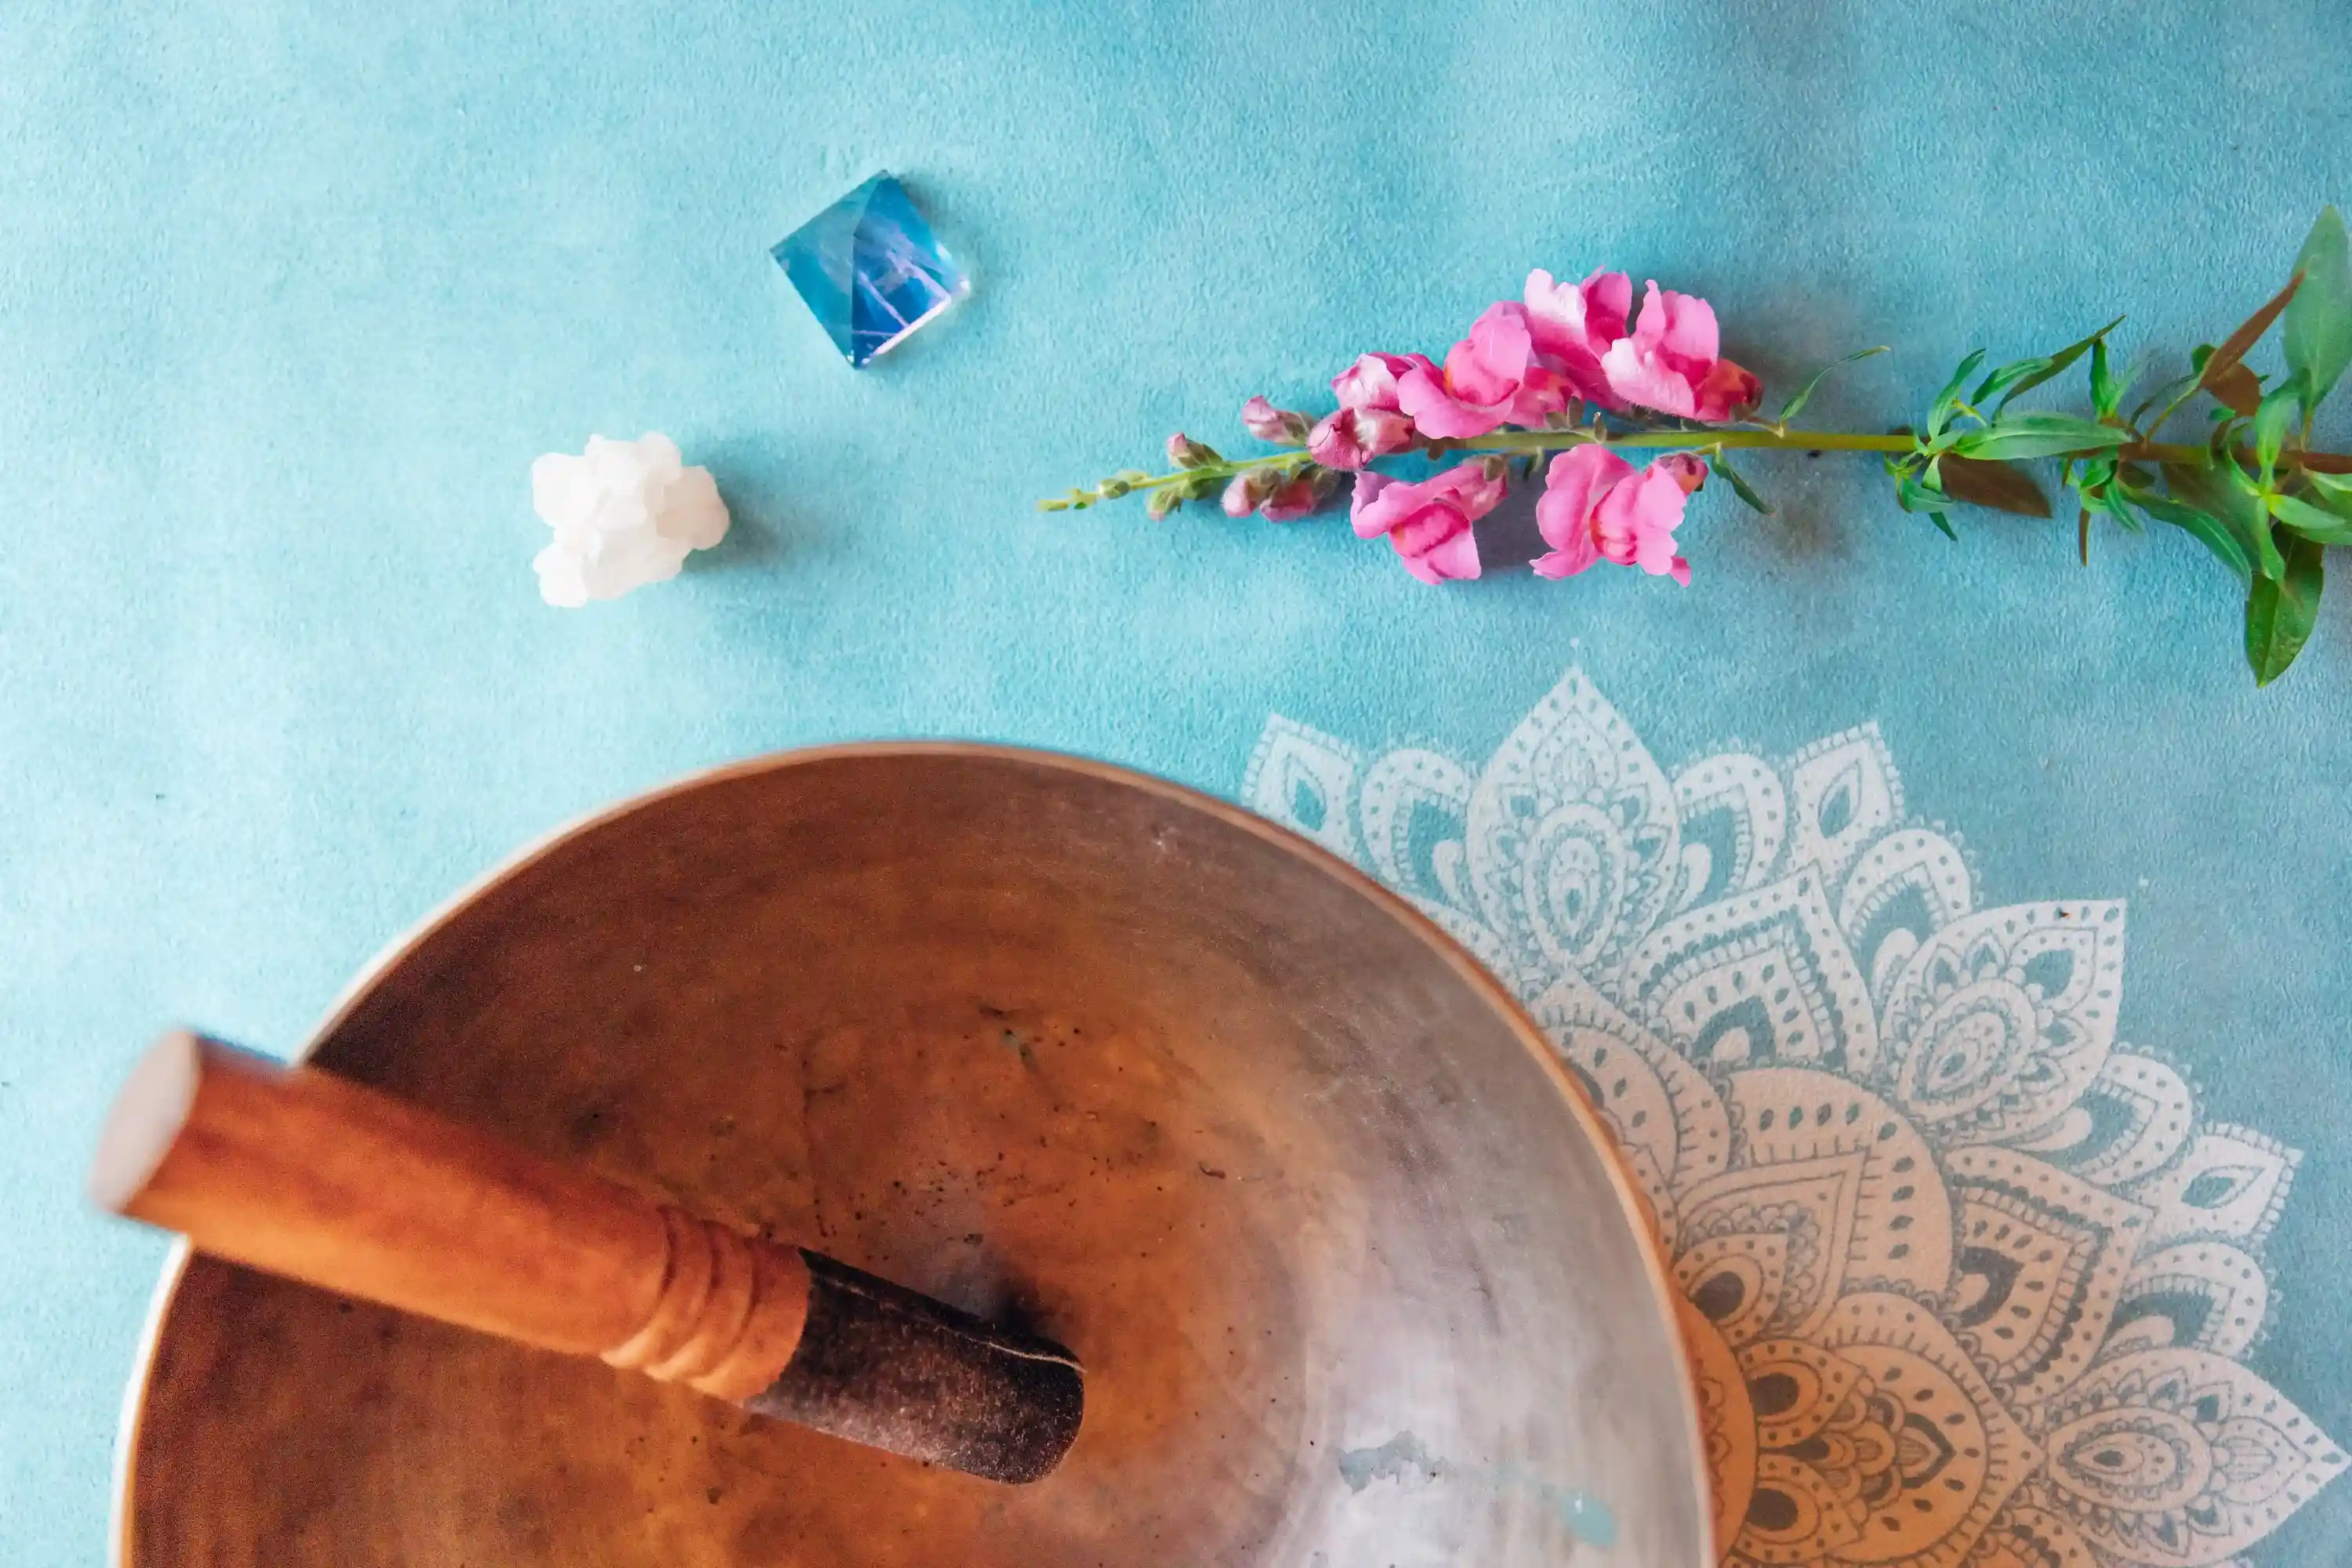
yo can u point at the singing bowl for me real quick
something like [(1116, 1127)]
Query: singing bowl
[(1354, 1275)]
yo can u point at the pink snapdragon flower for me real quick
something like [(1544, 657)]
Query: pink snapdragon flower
[(1669, 362), (1491, 378), (1351, 437), (1573, 324), (1428, 523), (1596, 506), (1372, 381)]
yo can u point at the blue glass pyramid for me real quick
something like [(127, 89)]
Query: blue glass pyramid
[(869, 269)]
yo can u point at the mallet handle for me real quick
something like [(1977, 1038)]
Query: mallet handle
[(297, 1172)]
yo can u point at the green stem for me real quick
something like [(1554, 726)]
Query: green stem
[(1226, 470), (1510, 442), (1784, 440), (1816, 441)]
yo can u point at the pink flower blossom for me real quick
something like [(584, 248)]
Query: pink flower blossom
[(1351, 437), (1595, 507), (1428, 523), (1669, 361), (1491, 378), (1372, 381), (1573, 324), (1292, 501)]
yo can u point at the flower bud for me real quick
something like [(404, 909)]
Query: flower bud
[(1249, 491), (1163, 500), (1295, 499), (1687, 471), (1267, 422), (1187, 453)]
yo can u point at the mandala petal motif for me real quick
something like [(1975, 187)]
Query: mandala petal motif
[(1958, 1454), (1907, 887), (1735, 821), (2206, 1294), (1996, 1027), (1842, 793), (1794, 1516), (1666, 1117), (1572, 835), (1760, 940), (1759, 978), (1840, 1172), (1727, 1420), (2178, 1457), (1411, 813), (1737, 1280), (2022, 1536), (1305, 780), (2232, 1182), (2041, 1266), (1796, 1389), (2137, 1114)]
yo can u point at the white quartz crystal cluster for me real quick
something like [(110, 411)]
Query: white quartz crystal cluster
[(624, 513)]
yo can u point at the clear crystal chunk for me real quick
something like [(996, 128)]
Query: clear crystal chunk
[(869, 269)]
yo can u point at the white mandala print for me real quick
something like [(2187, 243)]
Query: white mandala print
[(1967, 1282)]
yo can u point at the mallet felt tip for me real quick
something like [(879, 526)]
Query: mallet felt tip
[(298, 1173)]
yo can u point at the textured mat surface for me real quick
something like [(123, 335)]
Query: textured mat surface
[(292, 294)]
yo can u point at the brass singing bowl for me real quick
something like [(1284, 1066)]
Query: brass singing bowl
[(1352, 1271)]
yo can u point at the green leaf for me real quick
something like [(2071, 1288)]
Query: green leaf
[(2320, 526), (2002, 487), (2250, 331), (2106, 392), (1913, 493), (1948, 400), (2109, 499), (2208, 530), (2279, 611), (2255, 507), (2167, 397), (2009, 375), (1796, 405), (2237, 509), (2013, 380), (2271, 420), (1739, 485), (2039, 436), (2317, 335), (2334, 490)]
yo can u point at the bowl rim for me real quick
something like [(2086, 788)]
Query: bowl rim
[(1664, 1292)]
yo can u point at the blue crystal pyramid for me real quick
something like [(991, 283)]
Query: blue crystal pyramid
[(869, 269)]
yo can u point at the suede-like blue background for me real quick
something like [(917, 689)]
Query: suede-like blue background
[(291, 294)]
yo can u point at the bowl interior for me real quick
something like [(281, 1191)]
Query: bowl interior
[(1353, 1276)]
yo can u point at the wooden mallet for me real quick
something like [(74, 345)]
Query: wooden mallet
[(298, 1173)]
